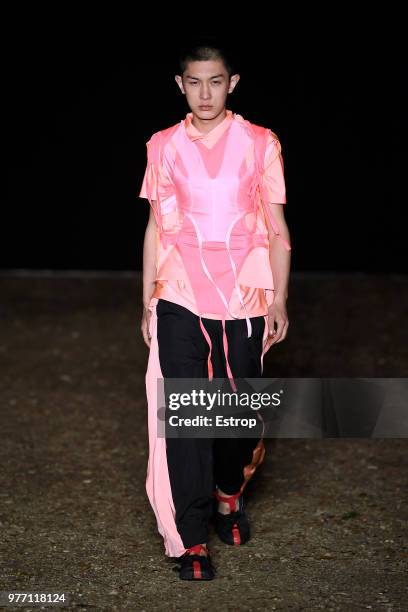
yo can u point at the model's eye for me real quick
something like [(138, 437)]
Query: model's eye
[(216, 82)]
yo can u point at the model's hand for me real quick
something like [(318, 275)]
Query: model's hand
[(277, 315), (145, 325)]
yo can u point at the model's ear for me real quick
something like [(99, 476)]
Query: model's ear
[(179, 82), (233, 82)]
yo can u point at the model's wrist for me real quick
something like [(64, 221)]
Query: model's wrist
[(148, 292), (280, 296)]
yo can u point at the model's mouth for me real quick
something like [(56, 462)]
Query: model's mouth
[(205, 107)]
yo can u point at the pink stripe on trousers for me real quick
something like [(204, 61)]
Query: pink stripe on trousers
[(158, 482)]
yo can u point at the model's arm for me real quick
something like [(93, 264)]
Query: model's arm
[(280, 258), (149, 272)]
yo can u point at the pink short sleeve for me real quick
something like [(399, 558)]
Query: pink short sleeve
[(157, 178), (274, 188), (149, 184)]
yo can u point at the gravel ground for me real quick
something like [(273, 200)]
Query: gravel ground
[(329, 517)]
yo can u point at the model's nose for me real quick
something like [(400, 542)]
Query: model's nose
[(205, 93)]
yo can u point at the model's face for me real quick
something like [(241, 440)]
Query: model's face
[(206, 85)]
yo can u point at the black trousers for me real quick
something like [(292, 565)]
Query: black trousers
[(196, 465)]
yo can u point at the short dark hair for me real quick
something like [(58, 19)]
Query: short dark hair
[(204, 49)]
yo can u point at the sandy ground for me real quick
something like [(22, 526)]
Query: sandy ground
[(329, 517)]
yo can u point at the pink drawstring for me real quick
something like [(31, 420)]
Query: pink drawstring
[(225, 344), (265, 335), (203, 264), (234, 270), (262, 358), (222, 296), (209, 362)]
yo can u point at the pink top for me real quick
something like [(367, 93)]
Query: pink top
[(205, 190)]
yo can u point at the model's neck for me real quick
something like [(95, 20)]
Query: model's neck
[(206, 125)]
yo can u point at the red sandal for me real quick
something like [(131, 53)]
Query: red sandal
[(232, 528)]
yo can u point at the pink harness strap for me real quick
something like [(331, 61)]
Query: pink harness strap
[(207, 337), (225, 344), (220, 292), (257, 190)]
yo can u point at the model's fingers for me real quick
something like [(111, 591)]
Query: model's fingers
[(149, 316), (271, 334), (145, 333), (282, 333), (280, 324), (147, 340), (271, 324)]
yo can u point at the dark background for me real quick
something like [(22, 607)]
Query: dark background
[(82, 101), (81, 96)]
